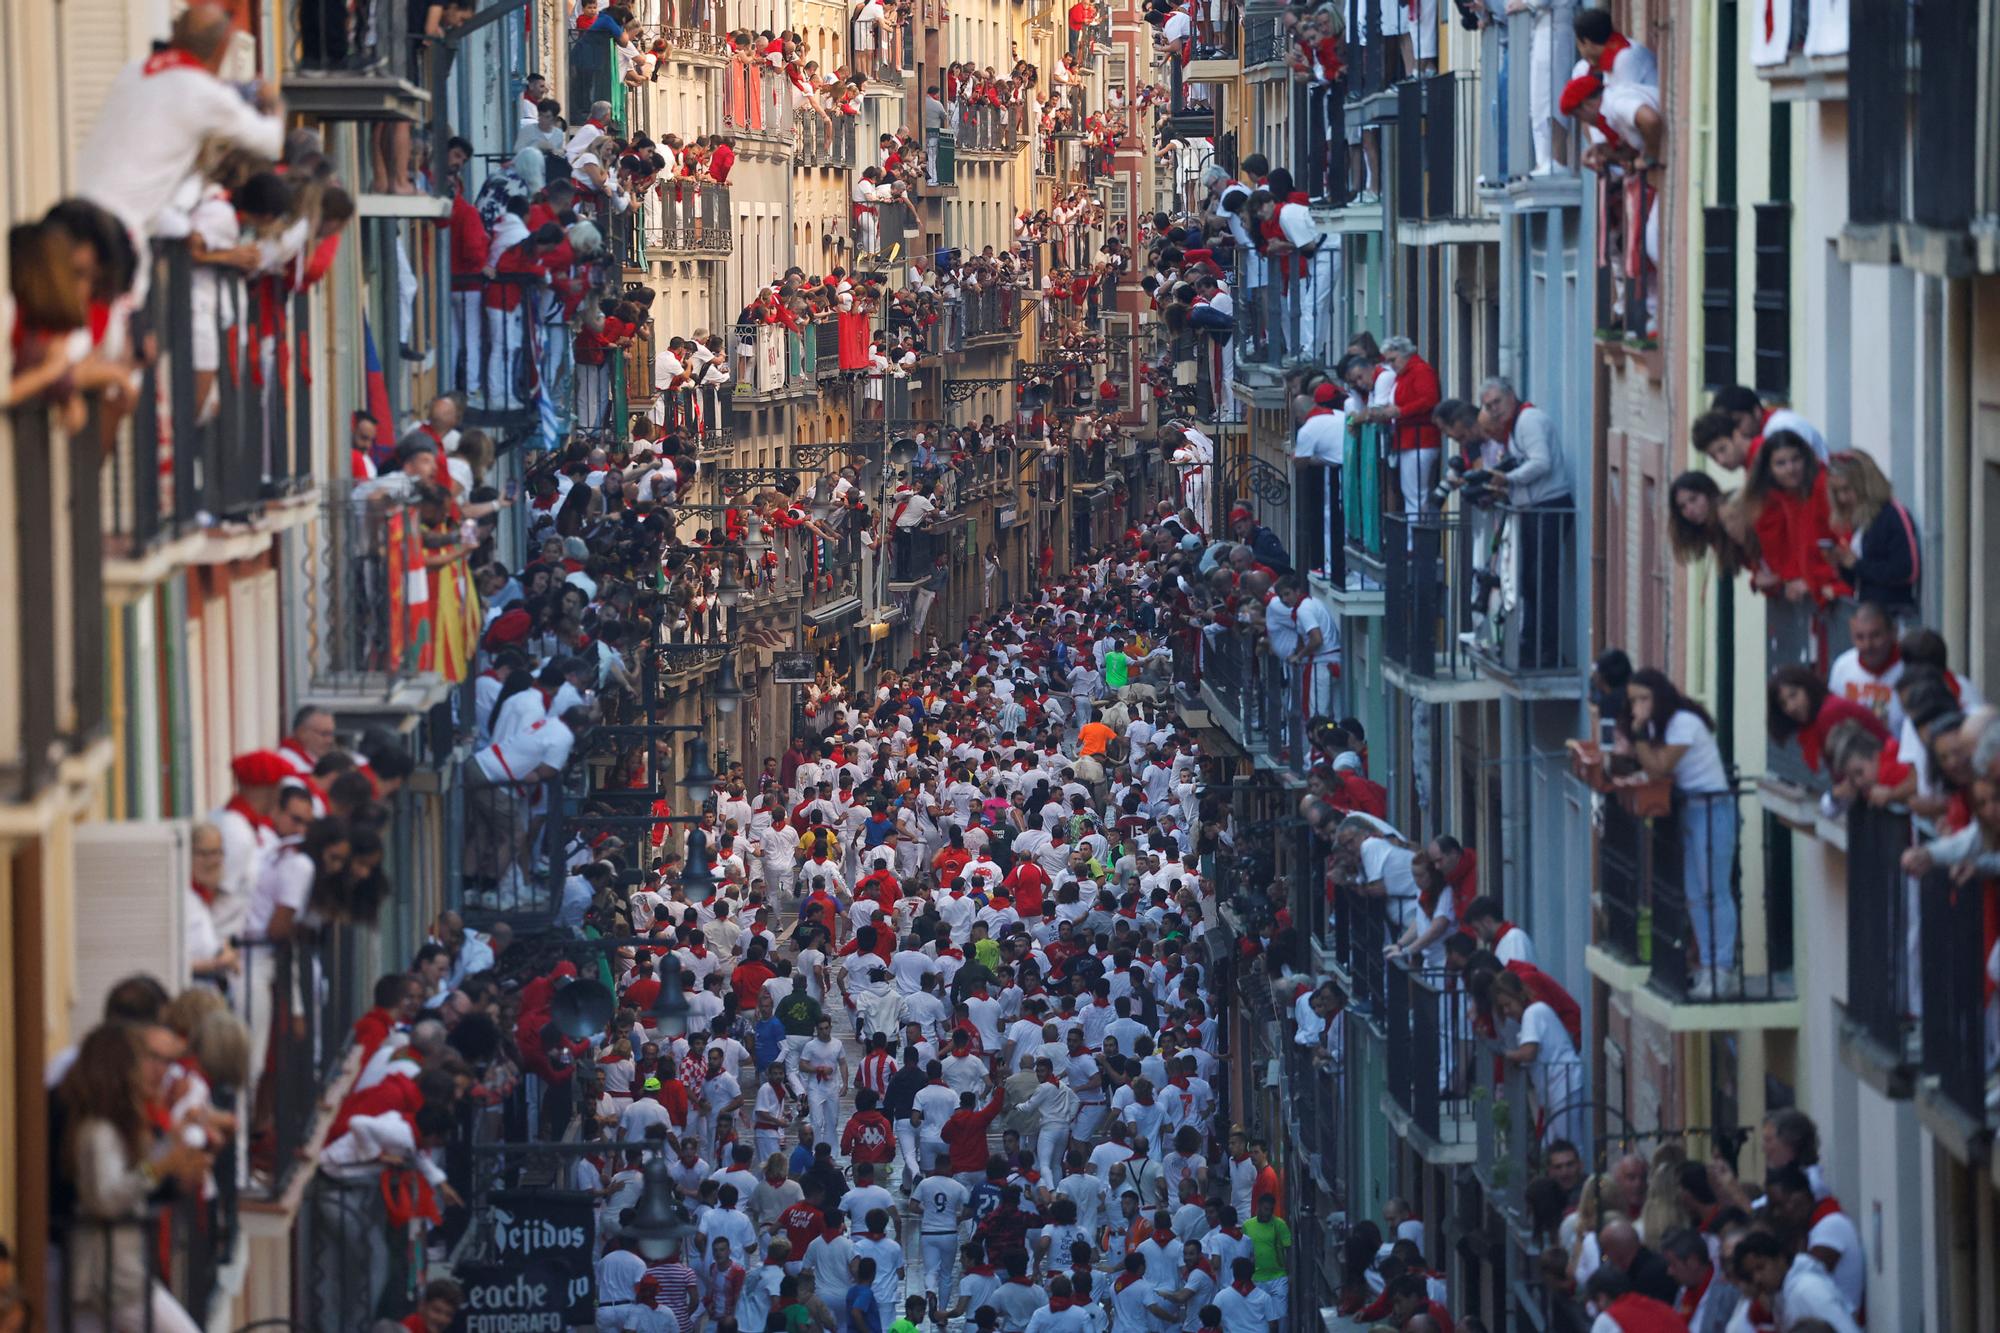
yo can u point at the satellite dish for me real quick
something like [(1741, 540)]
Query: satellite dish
[(582, 1008)]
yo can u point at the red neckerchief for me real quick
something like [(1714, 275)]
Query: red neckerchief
[(243, 807), (1245, 1287), (1690, 1297), (1125, 1280), (1824, 1209), (172, 58), (206, 895), (1613, 48)]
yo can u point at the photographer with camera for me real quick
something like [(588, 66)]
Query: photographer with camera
[(1532, 480)]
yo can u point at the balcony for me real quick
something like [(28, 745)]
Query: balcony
[(1955, 1091), (1698, 943), (774, 363), (695, 44), (1920, 192), (1432, 576), (1627, 283), (1428, 1041), (496, 362), (1265, 41), (180, 1247), (1191, 114), (1437, 154), (1814, 68), (699, 224), (820, 146), (757, 103), (1878, 1031), (58, 550), (1360, 932), (365, 638), (989, 131), (306, 992), (1257, 698), (347, 64), (1510, 173), (1523, 576), (1271, 330), (993, 317), (244, 420)]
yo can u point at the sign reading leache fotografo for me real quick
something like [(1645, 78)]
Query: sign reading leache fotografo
[(552, 1232), (509, 1298)]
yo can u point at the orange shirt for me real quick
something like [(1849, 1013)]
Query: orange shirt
[(1094, 737), (1269, 1182)]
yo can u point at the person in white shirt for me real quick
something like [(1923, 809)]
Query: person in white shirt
[(1795, 1286), (941, 1201), (160, 113), (1831, 1236)]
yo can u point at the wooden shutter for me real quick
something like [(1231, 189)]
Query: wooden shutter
[(99, 38), (131, 892)]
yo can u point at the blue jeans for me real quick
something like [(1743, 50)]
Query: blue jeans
[(1708, 854)]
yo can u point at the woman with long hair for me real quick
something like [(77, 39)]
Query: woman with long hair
[(1704, 520), (1799, 706), (114, 1159), (1876, 546), (1787, 493), (1672, 736)]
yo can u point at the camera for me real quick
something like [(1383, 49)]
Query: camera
[(1455, 468)]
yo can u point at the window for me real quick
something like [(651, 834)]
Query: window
[(1718, 296), (1771, 301)]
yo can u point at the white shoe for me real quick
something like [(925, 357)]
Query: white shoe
[(1703, 987)]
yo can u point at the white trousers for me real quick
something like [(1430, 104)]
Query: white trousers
[(465, 314), (1051, 1146), (1542, 87), (1414, 469), (940, 1255), (1315, 305), (823, 1108)]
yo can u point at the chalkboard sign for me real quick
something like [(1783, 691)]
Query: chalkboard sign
[(511, 1298), (553, 1227)]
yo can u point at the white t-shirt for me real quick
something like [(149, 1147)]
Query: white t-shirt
[(942, 1199), (1540, 1025), (284, 880), (1699, 769), (1836, 1231), (1875, 691), (1620, 107)]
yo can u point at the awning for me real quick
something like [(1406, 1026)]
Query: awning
[(834, 612)]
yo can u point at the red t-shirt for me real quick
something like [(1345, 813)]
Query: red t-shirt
[(1079, 17)]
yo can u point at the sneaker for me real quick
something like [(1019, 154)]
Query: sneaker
[(1703, 987)]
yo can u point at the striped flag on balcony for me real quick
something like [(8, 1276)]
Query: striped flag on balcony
[(377, 389)]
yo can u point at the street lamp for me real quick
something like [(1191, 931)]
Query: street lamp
[(727, 693), (670, 1006), (699, 780), (659, 1224), (728, 591), (753, 543), (697, 877)]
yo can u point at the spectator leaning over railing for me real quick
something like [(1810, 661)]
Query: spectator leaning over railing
[(1702, 520), (1672, 736), (1787, 491), (119, 1152), (161, 112), (1533, 480), (1876, 548), (1799, 706)]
